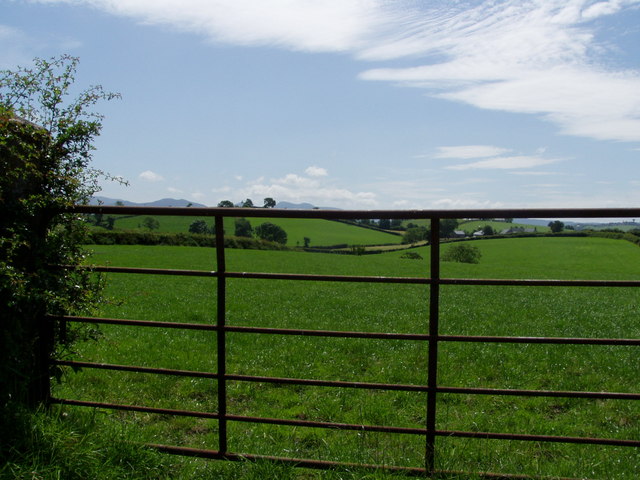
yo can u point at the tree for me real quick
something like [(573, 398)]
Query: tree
[(396, 224), (384, 223), (415, 234), (462, 252), (243, 228), (447, 227), (150, 223), (248, 203), (556, 226), (198, 226), (307, 241), (487, 230), (272, 233), (226, 203), (269, 202), (46, 141)]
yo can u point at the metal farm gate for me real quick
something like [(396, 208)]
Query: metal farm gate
[(431, 337)]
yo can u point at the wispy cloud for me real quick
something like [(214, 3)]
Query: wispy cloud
[(149, 176), (505, 163), (539, 58), (469, 151), (14, 47), (314, 171), (534, 57)]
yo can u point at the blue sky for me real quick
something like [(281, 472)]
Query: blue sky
[(355, 103)]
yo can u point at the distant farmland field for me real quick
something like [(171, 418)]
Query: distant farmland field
[(320, 232), (465, 310)]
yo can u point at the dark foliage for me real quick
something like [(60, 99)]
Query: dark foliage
[(45, 150)]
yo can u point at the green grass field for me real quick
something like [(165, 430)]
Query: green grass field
[(320, 232), (475, 225), (479, 310)]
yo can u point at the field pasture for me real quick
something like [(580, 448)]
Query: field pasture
[(475, 225), (321, 233), (465, 310)]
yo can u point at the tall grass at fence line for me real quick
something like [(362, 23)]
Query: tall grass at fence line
[(478, 310)]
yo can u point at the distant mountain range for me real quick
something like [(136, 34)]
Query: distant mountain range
[(165, 202), (172, 202)]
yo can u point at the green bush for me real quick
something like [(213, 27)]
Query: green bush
[(411, 256), (463, 253), (271, 233), (45, 169)]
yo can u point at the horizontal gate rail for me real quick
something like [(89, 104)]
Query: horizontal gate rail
[(346, 334), (370, 279), (359, 214), (433, 338), (359, 427), (347, 384)]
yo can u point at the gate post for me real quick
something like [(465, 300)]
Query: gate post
[(221, 338), (432, 375)]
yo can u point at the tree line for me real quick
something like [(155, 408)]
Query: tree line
[(268, 202), (242, 228)]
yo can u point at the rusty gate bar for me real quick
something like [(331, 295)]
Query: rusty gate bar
[(360, 427), (349, 384), (327, 465), (432, 372), (357, 214), (348, 334), (432, 338), (368, 279), (221, 339)]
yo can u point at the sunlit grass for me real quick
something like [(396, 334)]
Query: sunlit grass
[(320, 232), (465, 310)]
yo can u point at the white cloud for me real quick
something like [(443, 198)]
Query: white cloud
[(469, 151), (536, 57), (174, 191), (602, 8), (149, 176), (536, 173), (464, 203), (296, 188), (306, 25), (527, 57), (314, 171), (15, 47), (505, 163)]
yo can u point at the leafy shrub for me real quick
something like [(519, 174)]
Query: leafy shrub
[(415, 234), (358, 249), (271, 233), (411, 256), (243, 228), (463, 253), (45, 169)]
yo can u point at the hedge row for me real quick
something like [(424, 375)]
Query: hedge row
[(176, 239), (201, 240)]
